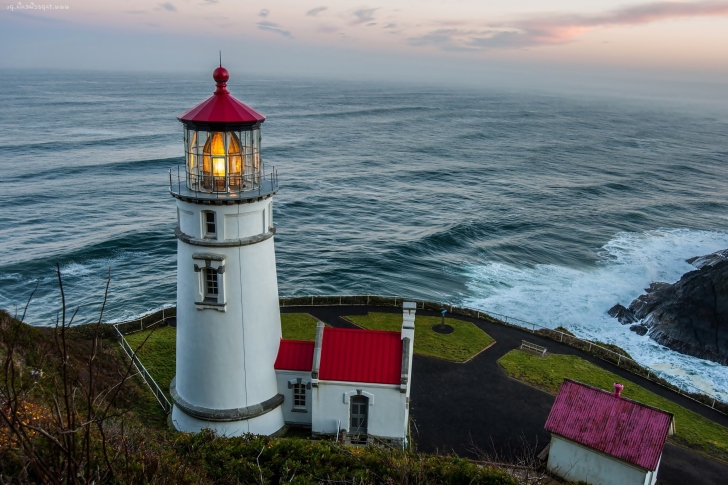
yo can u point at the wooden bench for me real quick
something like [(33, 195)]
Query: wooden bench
[(536, 349)]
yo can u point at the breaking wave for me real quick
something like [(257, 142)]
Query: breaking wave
[(578, 299)]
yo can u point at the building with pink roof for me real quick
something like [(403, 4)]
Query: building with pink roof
[(603, 438)]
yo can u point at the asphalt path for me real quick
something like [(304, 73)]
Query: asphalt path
[(476, 410)]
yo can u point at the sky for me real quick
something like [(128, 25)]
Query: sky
[(460, 41)]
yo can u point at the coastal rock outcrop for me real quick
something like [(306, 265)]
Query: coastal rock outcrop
[(622, 314), (689, 316)]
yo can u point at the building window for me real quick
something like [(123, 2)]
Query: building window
[(210, 228), (211, 285), (299, 396)]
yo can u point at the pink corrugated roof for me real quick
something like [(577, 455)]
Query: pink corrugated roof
[(361, 356), (294, 355), (620, 427)]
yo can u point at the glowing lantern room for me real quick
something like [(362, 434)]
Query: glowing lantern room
[(222, 149)]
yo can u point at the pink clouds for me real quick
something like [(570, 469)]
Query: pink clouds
[(559, 29)]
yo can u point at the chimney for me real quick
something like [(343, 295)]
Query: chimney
[(317, 353), (618, 389), (409, 309)]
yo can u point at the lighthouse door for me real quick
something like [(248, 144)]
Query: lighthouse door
[(359, 418)]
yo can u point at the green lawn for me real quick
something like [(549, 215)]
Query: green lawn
[(157, 354), (691, 429), (465, 342), (298, 326)]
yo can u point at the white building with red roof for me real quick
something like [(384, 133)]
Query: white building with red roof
[(603, 438), (350, 384)]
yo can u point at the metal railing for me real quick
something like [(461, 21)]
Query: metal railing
[(592, 348), (226, 186), (145, 375)]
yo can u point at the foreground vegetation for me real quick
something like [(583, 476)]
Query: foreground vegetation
[(82, 420), (459, 346), (691, 430)]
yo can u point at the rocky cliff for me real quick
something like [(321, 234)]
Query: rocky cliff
[(689, 316)]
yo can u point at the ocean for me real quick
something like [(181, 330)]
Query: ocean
[(548, 207)]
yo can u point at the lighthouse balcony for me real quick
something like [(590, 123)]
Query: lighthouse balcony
[(220, 188)]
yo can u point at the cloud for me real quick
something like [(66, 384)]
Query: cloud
[(564, 28), (315, 11), (168, 7), (273, 27), (327, 29), (264, 13), (363, 16)]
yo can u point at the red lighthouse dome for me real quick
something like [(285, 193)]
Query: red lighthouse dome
[(221, 107)]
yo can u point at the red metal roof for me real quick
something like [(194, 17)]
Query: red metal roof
[(221, 107), (295, 355), (620, 427), (352, 355)]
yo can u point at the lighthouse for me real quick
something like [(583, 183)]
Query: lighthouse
[(228, 318)]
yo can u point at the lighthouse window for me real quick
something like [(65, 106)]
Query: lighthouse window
[(211, 284), (209, 222), (299, 396)]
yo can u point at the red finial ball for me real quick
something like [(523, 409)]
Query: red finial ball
[(220, 75)]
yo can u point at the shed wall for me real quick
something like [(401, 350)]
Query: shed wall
[(575, 462)]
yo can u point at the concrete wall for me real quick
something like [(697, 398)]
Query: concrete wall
[(387, 409), (575, 462), (285, 377), (225, 354)]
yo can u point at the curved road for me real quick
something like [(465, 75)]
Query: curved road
[(474, 407)]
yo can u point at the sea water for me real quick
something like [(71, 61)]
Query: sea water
[(541, 206)]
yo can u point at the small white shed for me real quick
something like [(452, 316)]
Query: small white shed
[(603, 438), (350, 384)]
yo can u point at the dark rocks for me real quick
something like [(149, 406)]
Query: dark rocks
[(690, 316), (709, 260), (624, 315), (644, 304)]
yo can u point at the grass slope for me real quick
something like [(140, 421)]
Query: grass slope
[(465, 342), (157, 354), (691, 430)]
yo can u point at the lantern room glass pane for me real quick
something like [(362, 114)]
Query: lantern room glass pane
[(222, 161)]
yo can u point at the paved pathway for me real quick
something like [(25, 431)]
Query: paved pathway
[(463, 408)]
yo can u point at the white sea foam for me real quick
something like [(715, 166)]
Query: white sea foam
[(577, 299)]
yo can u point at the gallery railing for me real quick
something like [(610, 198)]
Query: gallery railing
[(229, 186)]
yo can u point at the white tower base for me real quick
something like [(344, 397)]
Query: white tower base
[(261, 425)]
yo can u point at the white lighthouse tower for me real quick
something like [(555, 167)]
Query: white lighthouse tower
[(228, 319)]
